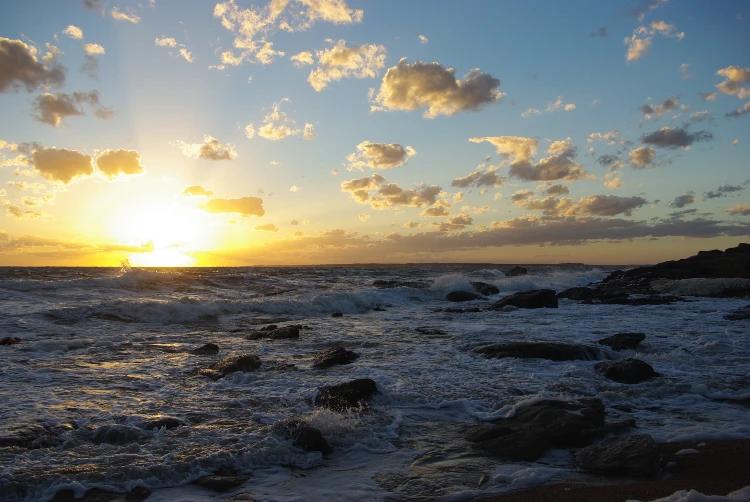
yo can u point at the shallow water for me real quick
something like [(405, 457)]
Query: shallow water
[(103, 347)]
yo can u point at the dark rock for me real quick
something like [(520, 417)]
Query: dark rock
[(33, 438), (425, 330), (159, 422), (10, 340), (209, 348), (739, 315), (462, 296), (378, 309), (337, 314), (553, 351), (270, 327), (456, 310), (577, 293), (117, 434), (221, 482), (401, 284), (347, 395), (539, 298), (516, 271), (626, 370), (622, 341), (333, 356), (244, 363), (621, 455), (137, 494), (303, 436), (283, 333), (544, 425), (485, 289), (643, 300)]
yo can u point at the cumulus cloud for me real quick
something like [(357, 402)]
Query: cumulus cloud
[(302, 59), (436, 211), (379, 155), (91, 53), (165, 42), (640, 41), (364, 217), (708, 96), (246, 206), (340, 61), (612, 181), (596, 205), (740, 210), (699, 116), (521, 195), (556, 190), (683, 200), (642, 156), (197, 191), (513, 147), (482, 177), (52, 109), (559, 104), (458, 222), (413, 224), (20, 68), (739, 111), (129, 16), (665, 106), (73, 32), (685, 70), (380, 194), (113, 163), (678, 137), (62, 165), (734, 77), (722, 191), (277, 126), (432, 86), (267, 228), (423, 39), (611, 137), (210, 149), (18, 213)]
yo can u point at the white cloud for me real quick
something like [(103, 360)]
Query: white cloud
[(379, 155), (640, 41), (734, 77), (423, 39), (73, 32), (387, 195), (531, 112), (559, 104), (302, 59), (130, 16), (358, 61), (277, 126), (210, 149), (642, 156), (113, 163), (246, 206)]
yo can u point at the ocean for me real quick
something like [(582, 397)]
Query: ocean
[(108, 347)]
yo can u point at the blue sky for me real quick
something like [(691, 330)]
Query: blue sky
[(638, 108)]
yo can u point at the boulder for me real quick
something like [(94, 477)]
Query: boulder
[(335, 314), (223, 480), (10, 340), (516, 271), (626, 370), (554, 351), (159, 422), (207, 349), (303, 435), (543, 425), (537, 299), (624, 455), (283, 333), (347, 395), (117, 434), (622, 341), (378, 309), (578, 293), (462, 296), (485, 289), (333, 356), (244, 363)]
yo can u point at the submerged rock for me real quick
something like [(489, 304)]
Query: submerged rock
[(333, 356), (244, 363), (347, 395), (516, 271), (209, 348), (636, 454), (626, 370), (283, 333), (10, 340), (577, 293), (623, 341), (462, 296), (303, 435), (117, 434), (544, 425), (485, 289), (537, 299), (553, 351)]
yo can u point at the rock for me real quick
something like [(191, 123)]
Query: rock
[(337, 314), (544, 425), (553, 351), (283, 333), (642, 300), (626, 370), (10, 340), (137, 494), (622, 341), (219, 483), (32, 438), (347, 395), (117, 434), (209, 348), (303, 436), (540, 298), (426, 330), (401, 284), (333, 356), (621, 455), (159, 422), (577, 293), (244, 363), (516, 271), (739, 315), (485, 289), (378, 309), (462, 296), (270, 327)]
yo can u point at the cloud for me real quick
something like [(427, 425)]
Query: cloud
[(18, 213), (113, 163), (612, 137), (458, 222), (708, 96), (423, 40), (530, 112), (608, 160), (699, 116), (683, 200), (73, 32), (514, 147), (302, 59), (735, 141), (560, 105), (197, 191), (364, 217), (640, 41), (267, 228), (52, 109), (734, 77), (685, 70), (357, 61), (19, 68), (646, 6), (210, 149), (436, 211), (186, 55), (413, 224), (165, 42), (665, 106), (601, 32), (379, 155), (130, 16), (481, 177), (91, 52), (739, 111), (246, 206), (596, 205), (642, 156), (432, 86), (612, 181), (277, 126), (739, 210), (556, 190), (521, 195), (675, 138), (387, 195), (722, 191), (62, 165)]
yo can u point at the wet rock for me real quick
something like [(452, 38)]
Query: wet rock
[(621, 455), (283, 333), (159, 422), (207, 349), (626, 370), (485, 289), (623, 341), (401, 284), (739, 315), (642, 300), (10, 340), (378, 309), (333, 356), (245, 363), (578, 293), (222, 481), (462, 296), (426, 330), (347, 395), (303, 435), (117, 434), (337, 314), (553, 351), (137, 494), (456, 310), (270, 327), (539, 298), (544, 425), (33, 438), (516, 271)]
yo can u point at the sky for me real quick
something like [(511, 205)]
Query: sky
[(289, 132)]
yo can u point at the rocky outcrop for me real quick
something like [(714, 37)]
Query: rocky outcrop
[(245, 363), (303, 436), (553, 351), (624, 455), (346, 396), (516, 271), (536, 299), (544, 425), (626, 370), (207, 349), (578, 293), (333, 356), (275, 333), (623, 341), (462, 296), (485, 289)]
